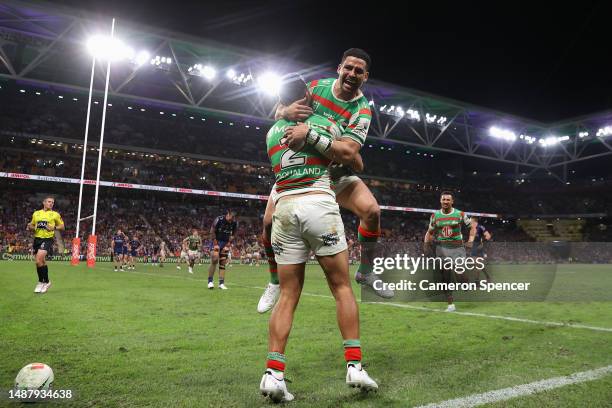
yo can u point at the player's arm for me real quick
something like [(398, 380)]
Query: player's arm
[(32, 224), (297, 111), (429, 237), (343, 151), (59, 223)]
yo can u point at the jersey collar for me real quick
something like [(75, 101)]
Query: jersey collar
[(450, 212), (359, 94)]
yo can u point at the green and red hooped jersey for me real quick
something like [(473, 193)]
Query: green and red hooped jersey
[(303, 171), (446, 227), (353, 116)]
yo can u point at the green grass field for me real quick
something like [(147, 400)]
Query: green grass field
[(158, 338)]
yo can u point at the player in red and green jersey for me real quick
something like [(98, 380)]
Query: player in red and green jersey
[(341, 101), (307, 218), (445, 231)]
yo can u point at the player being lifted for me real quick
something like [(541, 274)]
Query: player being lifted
[(222, 231), (341, 100), (133, 254), (44, 223), (193, 243), (119, 239), (445, 238), (307, 218)]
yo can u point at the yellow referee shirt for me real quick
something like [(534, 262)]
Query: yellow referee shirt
[(42, 218)]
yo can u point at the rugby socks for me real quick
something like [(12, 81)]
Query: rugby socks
[(276, 362), (210, 279), (44, 271), (39, 273), (368, 241), (272, 266), (352, 351), (221, 281)]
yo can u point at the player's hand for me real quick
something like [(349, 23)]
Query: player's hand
[(357, 164), (50, 227), (297, 111), (295, 136)]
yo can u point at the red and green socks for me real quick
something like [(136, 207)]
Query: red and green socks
[(368, 241), (352, 351), (272, 266), (276, 362)]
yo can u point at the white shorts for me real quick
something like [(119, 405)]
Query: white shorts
[(343, 182), (306, 223), (193, 254), (184, 255)]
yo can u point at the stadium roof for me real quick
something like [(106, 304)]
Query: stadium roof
[(45, 45)]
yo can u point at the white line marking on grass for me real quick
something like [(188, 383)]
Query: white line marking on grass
[(510, 318), (405, 306), (521, 390)]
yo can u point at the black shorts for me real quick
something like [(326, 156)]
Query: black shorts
[(45, 244)]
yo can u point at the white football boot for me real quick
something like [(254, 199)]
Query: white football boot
[(451, 308), (368, 280), (222, 286), (178, 267), (269, 298), (45, 287), (356, 376), (211, 285), (38, 287), (273, 385), (190, 270)]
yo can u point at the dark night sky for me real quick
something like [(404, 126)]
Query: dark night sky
[(535, 59)]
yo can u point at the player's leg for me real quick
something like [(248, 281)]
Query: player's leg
[(39, 260), (356, 197), (273, 384), (214, 260), (223, 259), (324, 232), (292, 256), (270, 295)]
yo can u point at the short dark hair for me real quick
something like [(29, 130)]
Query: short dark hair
[(358, 53), (294, 88), (447, 193)]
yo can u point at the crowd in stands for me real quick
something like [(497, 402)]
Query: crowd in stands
[(64, 160)]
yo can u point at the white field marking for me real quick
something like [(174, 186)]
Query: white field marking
[(405, 306), (510, 318), (521, 390)]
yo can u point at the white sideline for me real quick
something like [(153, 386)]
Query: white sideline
[(405, 306), (521, 390)]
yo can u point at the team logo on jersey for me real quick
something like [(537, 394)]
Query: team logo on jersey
[(330, 239)]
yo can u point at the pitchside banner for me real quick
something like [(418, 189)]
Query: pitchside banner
[(498, 271)]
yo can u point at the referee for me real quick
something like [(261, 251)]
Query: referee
[(44, 223)]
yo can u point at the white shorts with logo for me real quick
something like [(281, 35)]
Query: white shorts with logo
[(193, 254), (184, 255), (306, 223)]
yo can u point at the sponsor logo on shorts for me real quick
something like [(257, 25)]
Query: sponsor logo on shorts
[(277, 248), (330, 239)]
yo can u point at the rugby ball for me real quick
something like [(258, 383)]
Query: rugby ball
[(35, 376)]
